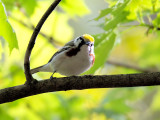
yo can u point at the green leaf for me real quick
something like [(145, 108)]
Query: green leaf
[(9, 4), (75, 7), (115, 21), (102, 51), (6, 30), (156, 21), (115, 10), (154, 4), (3, 15), (100, 37), (29, 5), (119, 7), (104, 13)]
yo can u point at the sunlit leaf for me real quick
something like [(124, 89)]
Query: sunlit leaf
[(6, 30), (156, 21), (74, 7), (28, 5), (115, 10), (100, 37), (9, 4), (104, 13), (119, 7), (115, 21)]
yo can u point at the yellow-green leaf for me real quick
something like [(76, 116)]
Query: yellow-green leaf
[(6, 30), (104, 13), (75, 7)]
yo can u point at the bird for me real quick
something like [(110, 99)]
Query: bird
[(74, 58)]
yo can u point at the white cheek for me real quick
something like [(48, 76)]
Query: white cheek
[(92, 49), (77, 42)]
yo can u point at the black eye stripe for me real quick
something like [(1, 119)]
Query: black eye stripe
[(82, 41), (81, 38)]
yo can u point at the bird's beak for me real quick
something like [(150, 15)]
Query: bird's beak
[(87, 43)]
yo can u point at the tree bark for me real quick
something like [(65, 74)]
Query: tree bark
[(78, 83)]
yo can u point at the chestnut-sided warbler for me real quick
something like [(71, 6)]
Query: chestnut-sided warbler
[(74, 58)]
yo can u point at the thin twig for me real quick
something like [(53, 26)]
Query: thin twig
[(28, 75), (130, 66), (78, 83)]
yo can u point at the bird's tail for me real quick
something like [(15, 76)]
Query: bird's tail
[(43, 68)]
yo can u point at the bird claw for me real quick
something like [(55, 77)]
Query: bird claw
[(51, 78)]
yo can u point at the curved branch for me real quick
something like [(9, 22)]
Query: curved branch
[(28, 75), (78, 83)]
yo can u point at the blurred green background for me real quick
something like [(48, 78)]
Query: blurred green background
[(127, 40)]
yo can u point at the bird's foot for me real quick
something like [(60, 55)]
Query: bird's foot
[(51, 78)]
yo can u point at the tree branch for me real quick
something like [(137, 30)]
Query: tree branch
[(28, 75), (78, 83)]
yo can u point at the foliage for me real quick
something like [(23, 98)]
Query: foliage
[(120, 13), (130, 34), (6, 30), (78, 7)]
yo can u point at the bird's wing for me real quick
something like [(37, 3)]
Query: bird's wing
[(66, 47)]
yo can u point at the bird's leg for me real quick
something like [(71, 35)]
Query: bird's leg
[(52, 75)]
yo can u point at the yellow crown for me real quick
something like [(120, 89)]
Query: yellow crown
[(88, 37)]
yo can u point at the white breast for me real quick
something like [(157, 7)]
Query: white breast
[(73, 65)]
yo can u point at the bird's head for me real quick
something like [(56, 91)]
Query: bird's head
[(85, 39)]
